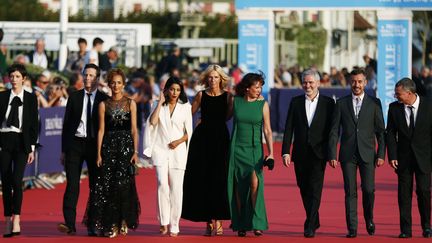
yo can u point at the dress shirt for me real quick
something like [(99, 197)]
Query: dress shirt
[(310, 106), (82, 127), (354, 101), (415, 109), (40, 60), (4, 127)]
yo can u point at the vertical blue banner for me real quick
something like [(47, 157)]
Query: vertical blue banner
[(254, 53), (394, 57)]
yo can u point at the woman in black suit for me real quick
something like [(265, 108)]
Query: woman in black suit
[(18, 136)]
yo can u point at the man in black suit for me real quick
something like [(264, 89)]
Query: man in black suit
[(308, 120), (360, 118), (18, 137), (409, 143), (80, 126)]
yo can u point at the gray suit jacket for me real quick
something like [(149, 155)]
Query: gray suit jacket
[(363, 133)]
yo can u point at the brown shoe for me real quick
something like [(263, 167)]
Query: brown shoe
[(66, 229), (163, 230)]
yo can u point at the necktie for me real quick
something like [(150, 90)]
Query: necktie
[(357, 107), (411, 125), (89, 117), (13, 119)]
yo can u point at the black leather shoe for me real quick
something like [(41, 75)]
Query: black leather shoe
[(405, 235), (91, 232), (8, 235), (241, 233), (309, 234), (66, 229), (427, 233), (370, 228), (351, 234)]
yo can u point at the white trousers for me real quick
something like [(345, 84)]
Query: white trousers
[(170, 196)]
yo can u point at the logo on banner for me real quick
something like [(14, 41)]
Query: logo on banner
[(53, 126)]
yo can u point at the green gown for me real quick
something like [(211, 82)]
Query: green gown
[(246, 156)]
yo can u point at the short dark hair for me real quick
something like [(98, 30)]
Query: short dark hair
[(247, 81), (82, 40), (169, 83), (357, 71), (92, 65), (17, 67), (97, 41), (407, 84)]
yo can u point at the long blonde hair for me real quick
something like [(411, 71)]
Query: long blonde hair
[(214, 67)]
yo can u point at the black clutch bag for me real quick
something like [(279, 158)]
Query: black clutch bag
[(132, 169), (269, 163)]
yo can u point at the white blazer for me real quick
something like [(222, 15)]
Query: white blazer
[(168, 129)]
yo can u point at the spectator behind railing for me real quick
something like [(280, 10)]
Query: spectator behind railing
[(75, 61)]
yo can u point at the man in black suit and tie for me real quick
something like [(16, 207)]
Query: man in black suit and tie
[(360, 118), (18, 137), (308, 121), (80, 126), (409, 148)]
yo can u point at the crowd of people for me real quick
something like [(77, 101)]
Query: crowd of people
[(203, 174)]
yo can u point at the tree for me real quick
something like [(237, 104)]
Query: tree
[(423, 18), (311, 39), (26, 10)]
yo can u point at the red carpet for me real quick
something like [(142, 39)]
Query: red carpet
[(42, 212)]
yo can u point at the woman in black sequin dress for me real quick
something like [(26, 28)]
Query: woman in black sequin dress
[(113, 205), (205, 197)]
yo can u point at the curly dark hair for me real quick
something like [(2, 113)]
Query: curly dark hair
[(247, 81), (114, 72), (169, 83)]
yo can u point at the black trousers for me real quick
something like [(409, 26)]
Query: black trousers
[(405, 191), (367, 177), (81, 149), (13, 160), (309, 172)]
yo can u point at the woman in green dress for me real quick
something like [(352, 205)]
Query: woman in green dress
[(245, 175)]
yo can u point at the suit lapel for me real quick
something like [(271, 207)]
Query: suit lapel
[(303, 110), (351, 109), (402, 118), (80, 103), (420, 113)]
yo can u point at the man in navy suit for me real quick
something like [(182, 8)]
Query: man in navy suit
[(308, 121), (409, 148)]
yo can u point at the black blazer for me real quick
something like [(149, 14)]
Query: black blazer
[(363, 133), (316, 135), (29, 119), (72, 117), (399, 141)]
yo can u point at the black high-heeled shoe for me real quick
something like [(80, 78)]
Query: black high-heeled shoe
[(241, 233)]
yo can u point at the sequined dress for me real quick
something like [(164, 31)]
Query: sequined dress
[(114, 199)]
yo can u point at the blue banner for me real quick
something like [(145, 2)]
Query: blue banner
[(254, 52), (413, 4), (50, 139), (393, 58)]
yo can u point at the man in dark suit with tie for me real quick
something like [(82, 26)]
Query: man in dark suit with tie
[(18, 137), (360, 118), (409, 148), (80, 126), (308, 121)]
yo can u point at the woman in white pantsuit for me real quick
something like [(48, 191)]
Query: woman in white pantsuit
[(167, 135)]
